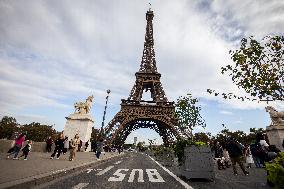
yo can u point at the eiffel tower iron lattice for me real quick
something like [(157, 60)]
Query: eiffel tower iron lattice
[(135, 113)]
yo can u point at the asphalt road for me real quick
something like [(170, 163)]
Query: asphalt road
[(132, 170)]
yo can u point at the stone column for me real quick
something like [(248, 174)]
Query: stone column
[(79, 124), (275, 134)]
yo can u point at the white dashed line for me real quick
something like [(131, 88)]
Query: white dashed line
[(80, 185), (173, 175), (116, 163), (105, 170)]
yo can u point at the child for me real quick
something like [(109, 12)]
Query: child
[(248, 156), (27, 149)]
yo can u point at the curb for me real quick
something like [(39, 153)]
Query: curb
[(36, 180)]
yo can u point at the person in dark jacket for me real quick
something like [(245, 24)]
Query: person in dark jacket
[(59, 146), (49, 143), (236, 155), (26, 150)]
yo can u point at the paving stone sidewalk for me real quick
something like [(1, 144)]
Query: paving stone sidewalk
[(40, 165)]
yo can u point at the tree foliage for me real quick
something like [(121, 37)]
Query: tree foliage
[(34, 131), (258, 68), (8, 125), (38, 132), (188, 114), (238, 135), (202, 137)]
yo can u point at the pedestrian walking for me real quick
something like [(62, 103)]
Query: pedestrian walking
[(248, 156), (59, 145), (86, 145), (219, 156), (235, 153), (49, 143), (74, 147), (262, 149), (99, 148), (227, 158), (66, 145), (26, 150), (18, 145), (80, 145)]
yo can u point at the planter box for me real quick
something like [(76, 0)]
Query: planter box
[(198, 163)]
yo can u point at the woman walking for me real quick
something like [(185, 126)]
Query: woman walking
[(248, 156), (66, 145), (18, 145), (59, 145), (74, 147), (99, 148), (49, 143)]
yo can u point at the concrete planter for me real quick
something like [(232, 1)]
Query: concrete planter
[(198, 163)]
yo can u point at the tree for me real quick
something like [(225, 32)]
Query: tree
[(188, 114), (38, 132), (258, 68), (8, 126), (151, 142), (202, 137), (140, 146)]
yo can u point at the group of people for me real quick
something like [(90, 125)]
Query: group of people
[(62, 145), (17, 146), (49, 143), (232, 151)]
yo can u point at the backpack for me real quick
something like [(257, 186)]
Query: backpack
[(256, 149)]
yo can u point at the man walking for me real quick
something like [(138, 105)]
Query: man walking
[(99, 148), (236, 155)]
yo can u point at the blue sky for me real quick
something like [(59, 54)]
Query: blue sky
[(55, 53)]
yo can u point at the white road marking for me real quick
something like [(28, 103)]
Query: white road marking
[(120, 176), (132, 175), (80, 185), (173, 175), (105, 170), (89, 170), (116, 163), (153, 172)]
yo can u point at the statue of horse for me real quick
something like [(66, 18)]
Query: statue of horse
[(277, 118), (84, 107)]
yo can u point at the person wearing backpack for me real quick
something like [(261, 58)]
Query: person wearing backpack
[(255, 151), (236, 155)]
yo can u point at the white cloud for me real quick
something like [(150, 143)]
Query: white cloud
[(226, 112)]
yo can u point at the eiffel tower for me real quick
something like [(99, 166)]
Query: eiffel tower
[(135, 113)]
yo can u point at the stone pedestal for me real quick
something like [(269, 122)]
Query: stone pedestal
[(275, 134), (79, 124)]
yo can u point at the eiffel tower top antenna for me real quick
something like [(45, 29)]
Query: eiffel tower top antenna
[(148, 63), (150, 5)]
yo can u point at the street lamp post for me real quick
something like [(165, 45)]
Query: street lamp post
[(103, 122)]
